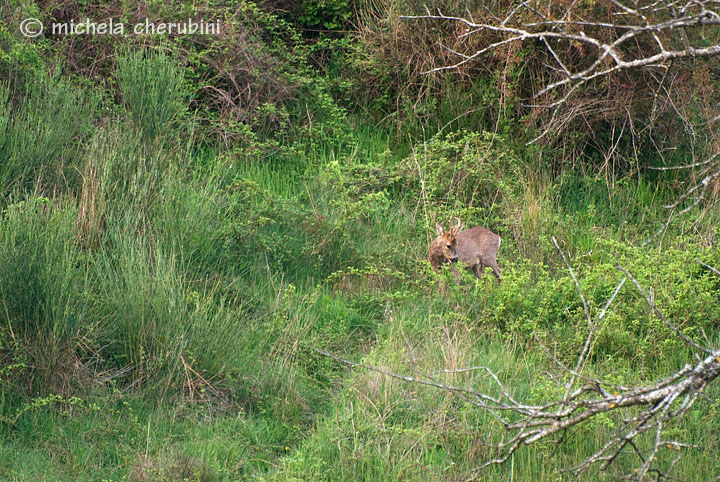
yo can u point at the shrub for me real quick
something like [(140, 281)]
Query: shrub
[(462, 174)]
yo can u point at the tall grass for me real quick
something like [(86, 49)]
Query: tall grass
[(42, 134), (153, 92), (122, 179), (151, 323), (163, 321), (44, 293)]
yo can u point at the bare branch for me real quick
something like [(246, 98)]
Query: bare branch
[(539, 422), (649, 409), (711, 159), (647, 36), (714, 270), (644, 36), (554, 30), (661, 316)]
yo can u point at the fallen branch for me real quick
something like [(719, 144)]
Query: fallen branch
[(647, 408)]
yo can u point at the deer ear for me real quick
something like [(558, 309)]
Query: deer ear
[(439, 229)]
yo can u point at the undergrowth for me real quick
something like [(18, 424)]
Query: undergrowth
[(178, 237)]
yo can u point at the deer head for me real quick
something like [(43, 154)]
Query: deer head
[(444, 248)]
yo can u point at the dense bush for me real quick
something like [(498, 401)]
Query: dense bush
[(469, 174)]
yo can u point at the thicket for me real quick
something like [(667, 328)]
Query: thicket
[(184, 220)]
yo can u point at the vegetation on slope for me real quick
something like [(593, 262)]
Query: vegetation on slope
[(185, 219)]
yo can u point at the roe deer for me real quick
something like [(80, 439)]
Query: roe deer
[(475, 248)]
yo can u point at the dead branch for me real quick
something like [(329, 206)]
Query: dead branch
[(714, 270), (582, 46), (609, 56), (650, 36), (696, 190), (665, 401), (649, 408)]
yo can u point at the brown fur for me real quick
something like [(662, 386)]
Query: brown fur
[(443, 248), (475, 248)]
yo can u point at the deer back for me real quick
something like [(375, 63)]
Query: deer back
[(477, 245)]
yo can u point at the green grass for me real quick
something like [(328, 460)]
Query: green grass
[(199, 303), (43, 133), (128, 440), (151, 85), (161, 300)]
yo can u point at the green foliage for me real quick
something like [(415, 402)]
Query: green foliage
[(160, 308), (464, 174), (20, 61), (270, 227), (534, 299), (38, 404), (325, 14)]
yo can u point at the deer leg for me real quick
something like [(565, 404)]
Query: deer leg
[(478, 269), (496, 270)]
